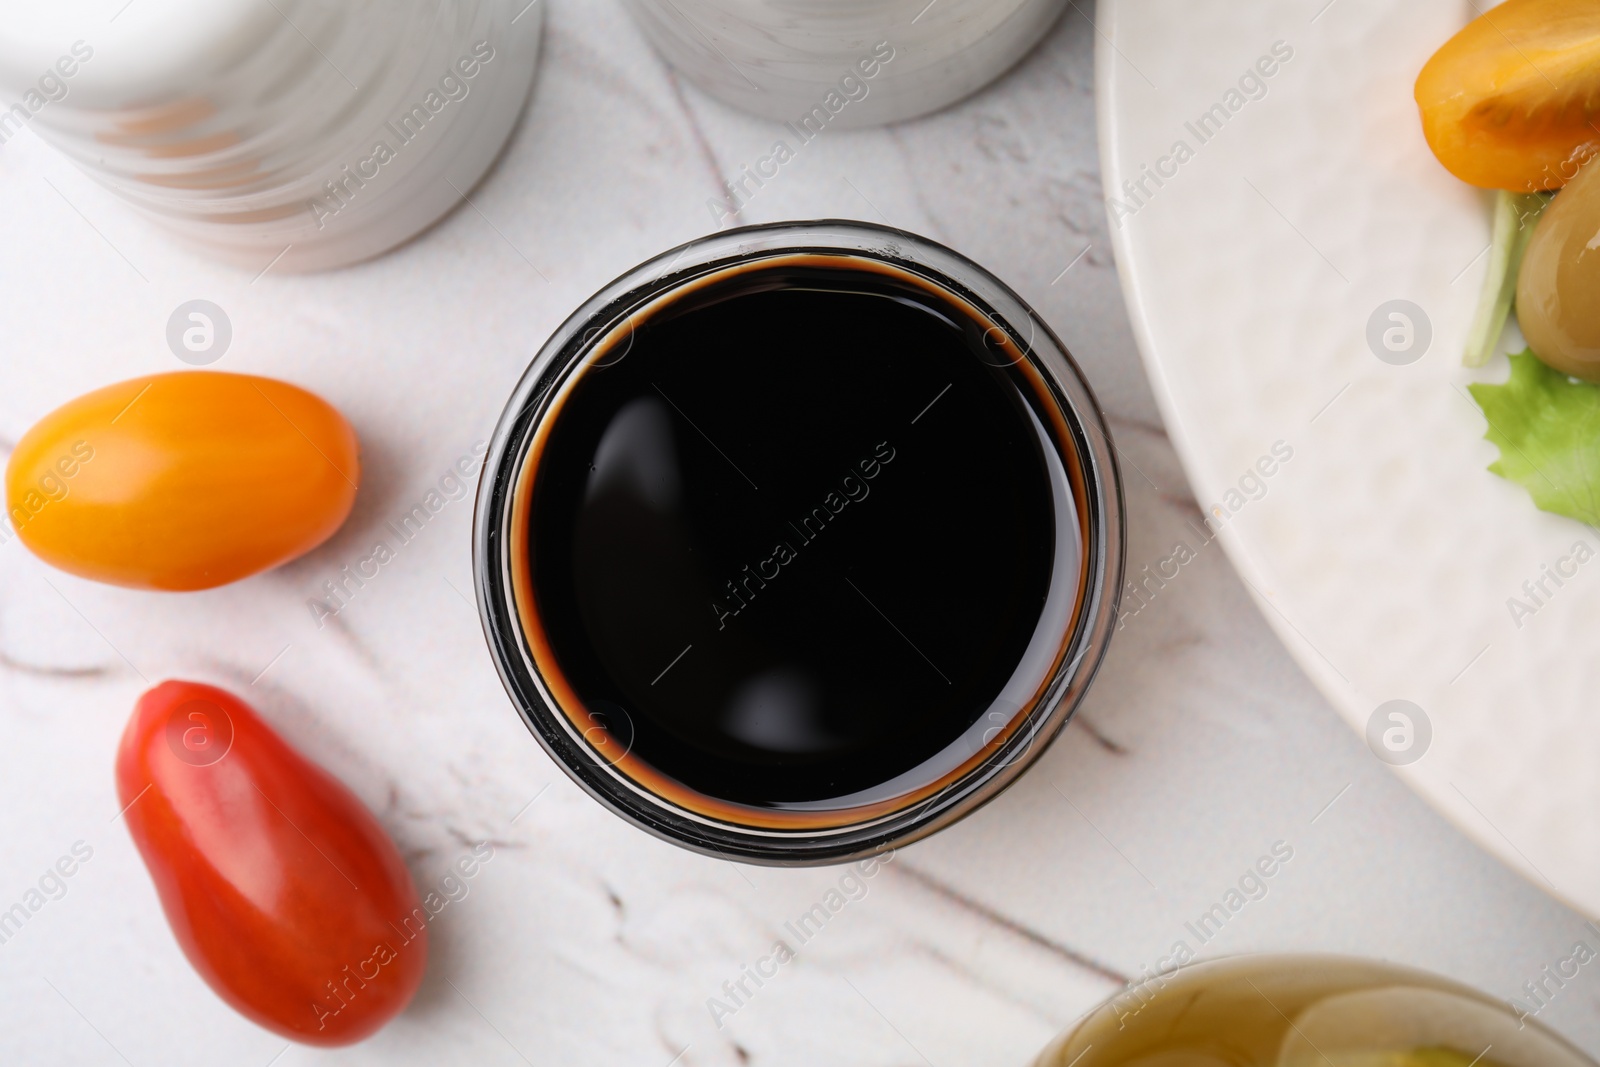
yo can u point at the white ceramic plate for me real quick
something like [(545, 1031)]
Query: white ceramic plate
[(1382, 551)]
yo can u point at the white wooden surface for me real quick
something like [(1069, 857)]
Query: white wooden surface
[(584, 941)]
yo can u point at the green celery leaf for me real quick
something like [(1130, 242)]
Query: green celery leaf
[(1547, 427)]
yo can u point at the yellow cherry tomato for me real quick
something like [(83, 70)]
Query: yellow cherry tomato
[(1510, 102), (182, 481)]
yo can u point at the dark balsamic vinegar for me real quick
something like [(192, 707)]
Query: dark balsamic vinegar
[(795, 531)]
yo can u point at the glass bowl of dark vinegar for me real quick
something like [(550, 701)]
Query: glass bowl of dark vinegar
[(799, 542)]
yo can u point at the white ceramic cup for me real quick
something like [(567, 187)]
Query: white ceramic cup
[(785, 58), (305, 134)]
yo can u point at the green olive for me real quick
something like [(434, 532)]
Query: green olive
[(1558, 293)]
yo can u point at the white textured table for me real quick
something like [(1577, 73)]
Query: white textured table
[(584, 941)]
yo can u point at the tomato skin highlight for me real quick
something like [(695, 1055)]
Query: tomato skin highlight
[(182, 481), (281, 887), (1513, 101)]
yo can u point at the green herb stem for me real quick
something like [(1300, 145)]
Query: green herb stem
[(1515, 215)]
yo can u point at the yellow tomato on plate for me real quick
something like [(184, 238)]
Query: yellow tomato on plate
[(1513, 101)]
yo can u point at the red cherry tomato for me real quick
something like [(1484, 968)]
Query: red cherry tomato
[(282, 889)]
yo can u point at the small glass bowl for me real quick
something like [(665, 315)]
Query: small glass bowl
[(1307, 1010), (594, 751)]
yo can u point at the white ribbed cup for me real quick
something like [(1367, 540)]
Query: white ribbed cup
[(312, 133), (785, 59)]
